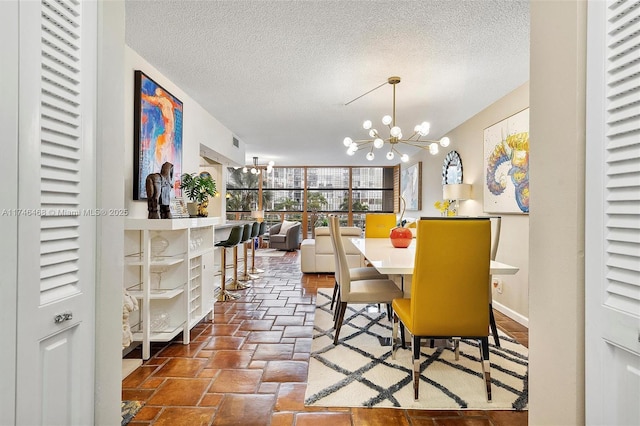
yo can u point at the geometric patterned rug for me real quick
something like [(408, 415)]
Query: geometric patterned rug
[(360, 372), (129, 411), (270, 253)]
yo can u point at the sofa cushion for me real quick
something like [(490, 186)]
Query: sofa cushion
[(317, 254), (285, 226)]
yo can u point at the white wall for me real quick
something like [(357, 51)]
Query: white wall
[(111, 140), (556, 280), (199, 128), (9, 78), (468, 140)]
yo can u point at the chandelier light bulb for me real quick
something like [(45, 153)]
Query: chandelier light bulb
[(390, 155), (353, 147), (373, 133), (395, 131), (433, 148), (366, 125), (370, 156), (271, 163), (378, 143), (254, 171), (386, 120), (424, 128), (245, 170), (350, 151), (444, 142), (404, 158), (347, 141)]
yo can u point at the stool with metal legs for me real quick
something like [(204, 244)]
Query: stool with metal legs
[(232, 241), (236, 284), (255, 235)]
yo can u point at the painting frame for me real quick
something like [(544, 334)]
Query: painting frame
[(506, 165), (157, 133), (411, 186)]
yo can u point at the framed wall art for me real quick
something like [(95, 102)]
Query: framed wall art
[(506, 165), (411, 186), (157, 133)]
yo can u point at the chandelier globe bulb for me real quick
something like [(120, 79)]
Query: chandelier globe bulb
[(370, 156), (378, 143), (444, 142), (433, 148), (390, 155), (373, 133), (367, 124), (347, 141), (386, 120), (353, 147), (395, 131), (271, 163), (404, 158), (245, 170), (350, 151)]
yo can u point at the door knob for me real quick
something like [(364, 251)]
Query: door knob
[(66, 316)]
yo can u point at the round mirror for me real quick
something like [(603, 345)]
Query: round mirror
[(452, 168)]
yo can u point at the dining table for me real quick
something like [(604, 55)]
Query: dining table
[(390, 260)]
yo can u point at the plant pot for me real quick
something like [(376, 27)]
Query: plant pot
[(192, 208)]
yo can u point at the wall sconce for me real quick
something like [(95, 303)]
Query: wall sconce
[(456, 192)]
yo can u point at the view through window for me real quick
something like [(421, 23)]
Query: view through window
[(309, 194)]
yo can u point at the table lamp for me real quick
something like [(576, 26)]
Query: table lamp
[(456, 192)]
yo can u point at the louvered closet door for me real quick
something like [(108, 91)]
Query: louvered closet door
[(613, 214), (56, 249)]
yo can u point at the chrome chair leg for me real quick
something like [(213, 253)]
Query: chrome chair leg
[(486, 365)]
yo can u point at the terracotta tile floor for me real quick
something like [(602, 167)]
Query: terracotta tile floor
[(249, 366)]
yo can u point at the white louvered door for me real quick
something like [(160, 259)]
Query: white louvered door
[(56, 220), (613, 214)]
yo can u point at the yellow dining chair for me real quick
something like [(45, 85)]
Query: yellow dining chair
[(449, 298), (361, 291), (378, 225)]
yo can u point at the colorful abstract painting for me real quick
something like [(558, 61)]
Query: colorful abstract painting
[(506, 165), (158, 133)]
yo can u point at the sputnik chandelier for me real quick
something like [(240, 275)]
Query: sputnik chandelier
[(256, 168), (377, 141)]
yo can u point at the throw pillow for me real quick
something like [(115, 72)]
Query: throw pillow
[(285, 226)]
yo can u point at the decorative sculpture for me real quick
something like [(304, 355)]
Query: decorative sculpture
[(158, 187)]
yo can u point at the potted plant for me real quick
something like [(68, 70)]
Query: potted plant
[(198, 187)]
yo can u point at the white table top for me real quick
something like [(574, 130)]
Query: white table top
[(399, 261)]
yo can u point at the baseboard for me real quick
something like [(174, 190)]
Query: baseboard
[(511, 314)]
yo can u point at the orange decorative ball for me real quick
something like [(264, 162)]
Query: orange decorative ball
[(401, 237)]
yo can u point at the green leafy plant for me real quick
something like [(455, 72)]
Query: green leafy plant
[(198, 187)]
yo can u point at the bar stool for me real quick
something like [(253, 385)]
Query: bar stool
[(232, 241), (246, 236), (255, 237)]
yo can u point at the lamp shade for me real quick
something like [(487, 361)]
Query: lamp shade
[(457, 191)]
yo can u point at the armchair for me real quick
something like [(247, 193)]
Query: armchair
[(285, 236)]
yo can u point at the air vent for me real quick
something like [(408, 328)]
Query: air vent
[(236, 142)]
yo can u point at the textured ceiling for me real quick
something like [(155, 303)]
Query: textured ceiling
[(278, 73)]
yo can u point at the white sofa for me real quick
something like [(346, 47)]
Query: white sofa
[(317, 255)]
